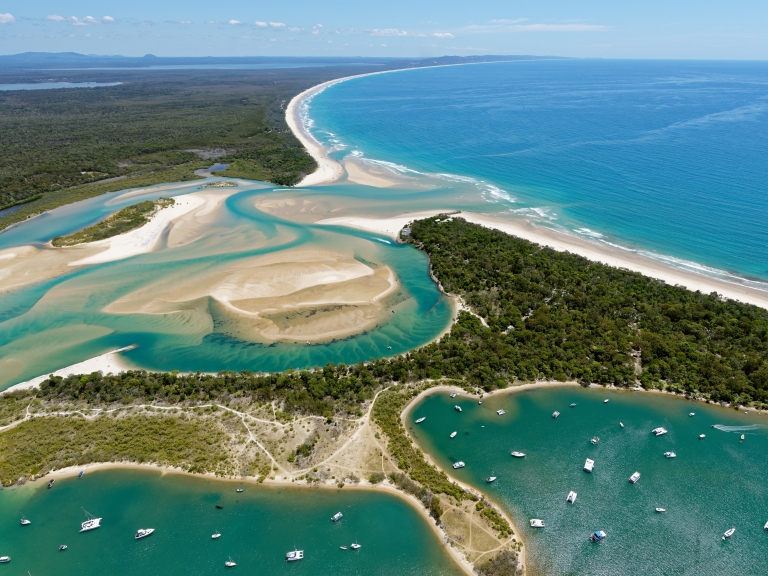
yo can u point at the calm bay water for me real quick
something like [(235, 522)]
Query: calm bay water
[(660, 156), (712, 485), (257, 528)]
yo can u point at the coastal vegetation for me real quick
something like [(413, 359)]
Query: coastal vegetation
[(122, 221)]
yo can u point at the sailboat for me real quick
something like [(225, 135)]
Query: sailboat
[(216, 535), (230, 563), (91, 523), (25, 522)]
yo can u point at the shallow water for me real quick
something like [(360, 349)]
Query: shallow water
[(257, 528), (712, 485)]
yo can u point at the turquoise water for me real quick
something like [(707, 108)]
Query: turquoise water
[(712, 485), (666, 157), (257, 528)]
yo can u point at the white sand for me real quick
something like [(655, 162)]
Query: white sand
[(144, 239), (106, 363)]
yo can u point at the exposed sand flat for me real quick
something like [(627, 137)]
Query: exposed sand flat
[(23, 265), (385, 226), (369, 175), (296, 295), (192, 225)]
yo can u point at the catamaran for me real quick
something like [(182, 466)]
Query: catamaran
[(458, 465), (670, 455), (500, 412), (294, 556), (457, 408), (91, 524), (571, 497), (659, 431), (143, 533), (589, 464), (420, 420), (336, 517), (355, 546), (728, 533), (634, 478), (536, 523), (518, 454)]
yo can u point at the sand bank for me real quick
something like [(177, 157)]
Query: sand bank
[(367, 175)]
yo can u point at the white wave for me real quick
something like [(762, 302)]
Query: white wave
[(745, 428), (381, 240), (590, 233)]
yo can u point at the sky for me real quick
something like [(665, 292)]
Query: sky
[(698, 29)]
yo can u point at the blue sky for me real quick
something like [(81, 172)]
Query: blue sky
[(586, 28)]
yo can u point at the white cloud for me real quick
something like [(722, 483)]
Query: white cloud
[(497, 26), (108, 19), (295, 29), (388, 32), (185, 22), (212, 22), (75, 21), (55, 18), (317, 26), (315, 31), (443, 35), (7, 19), (261, 24), (234, 22), (277, 24)]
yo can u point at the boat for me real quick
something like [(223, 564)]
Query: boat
[(728, 533), (143, 533), (742, 437), (63, 547), (589, 464), (595, 440), (420, 420), (599, 535), (571, 497), (216, 535), (219, 506), (605, 401), (80, 475), (239, 490), (4, 559), (490, 479), (634, 478), (702, 436), (621, 424), (25, 522), (458, 465), (555, 414), (453, 434), (573, 405), (230, 563), (536, 523), (50, 484), (766, 526), (91, 524), (670, 455), (355, 546), (343, 547), (518, 454), (453, 394), (336, 517), (661, 509), (500, 412), (457, 408), (479, 401), (294, 556), (692, 414), (659, 431)]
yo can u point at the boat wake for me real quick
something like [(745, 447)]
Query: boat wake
[(723, 428)]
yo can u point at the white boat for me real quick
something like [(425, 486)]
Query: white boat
[(702, 436), (25, 522), (420, 420), (91, 524), (659, 431), (479, 401), (63, 547), (294, 556), (336, 517), (599, 535), (729, 533), (239, 490), (458, 465), (518, 454), (573, 405), (595, 440), (766, 526), (216, 535), (355, 546), (661, 509), (453, 434), (670, 455), (230, 563), (692, 414), (343, 547), (571, 497), (621, 424), (589, 464), (742, 437), (634, 478), (500, 412), (143, 533), (457, 408), (5, 559), (490, 479), (605, 401), (555, 414), (453, 394), (536, 523)]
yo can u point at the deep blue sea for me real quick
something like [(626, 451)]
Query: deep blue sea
[(666, 157)]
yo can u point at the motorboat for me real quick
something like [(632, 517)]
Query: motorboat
[(742, 437), (621, 424), (634, 478), (63, 547), (355, 546), (589, 464), (81, 474), (91, 523), (555, 414), (536, 523), (216, 535), (599, 535), (336, 517), (420, 420), (595, 440), (702, 436), (479, 401), (692, 414), (50, 484), (500, 412), (518, 454), (458, 465), (453, 434), (605, 401), (670, 455), (728, 533), (766, 526), (457, 408), (143, 533), (239, 490), (25, 522), (453, 394), (571, 497), (294, 556), (573, 405), (4, 559), (343, 547), (219, 506), (490, 479), (230, 563), (661, 509), (659, 431)]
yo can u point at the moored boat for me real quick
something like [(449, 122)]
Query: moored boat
[(500, 412), (336, 517), (537, 523), (355, 546), (50, 484), (599, 535), (702, 436), (420, 420), (659, 431), (457, 408), (219, 506), (766, 526), (458, 465), (239, 490), (728, 533), (661, 509), (230, 563), (589, 464), (25, 522), (4, 559), (634, 478), (143, 533), (216, 535), (595, 440), (670, 455), (621, 424), (692, 414), (742, 437), (343, 547), (490, 479), (453, 394), (453, 434), (81, 474), (518, 454), (63, 547), (91, 523), (573, 405), (555, 414), (294, 556), (605, 401), (571, 497)]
